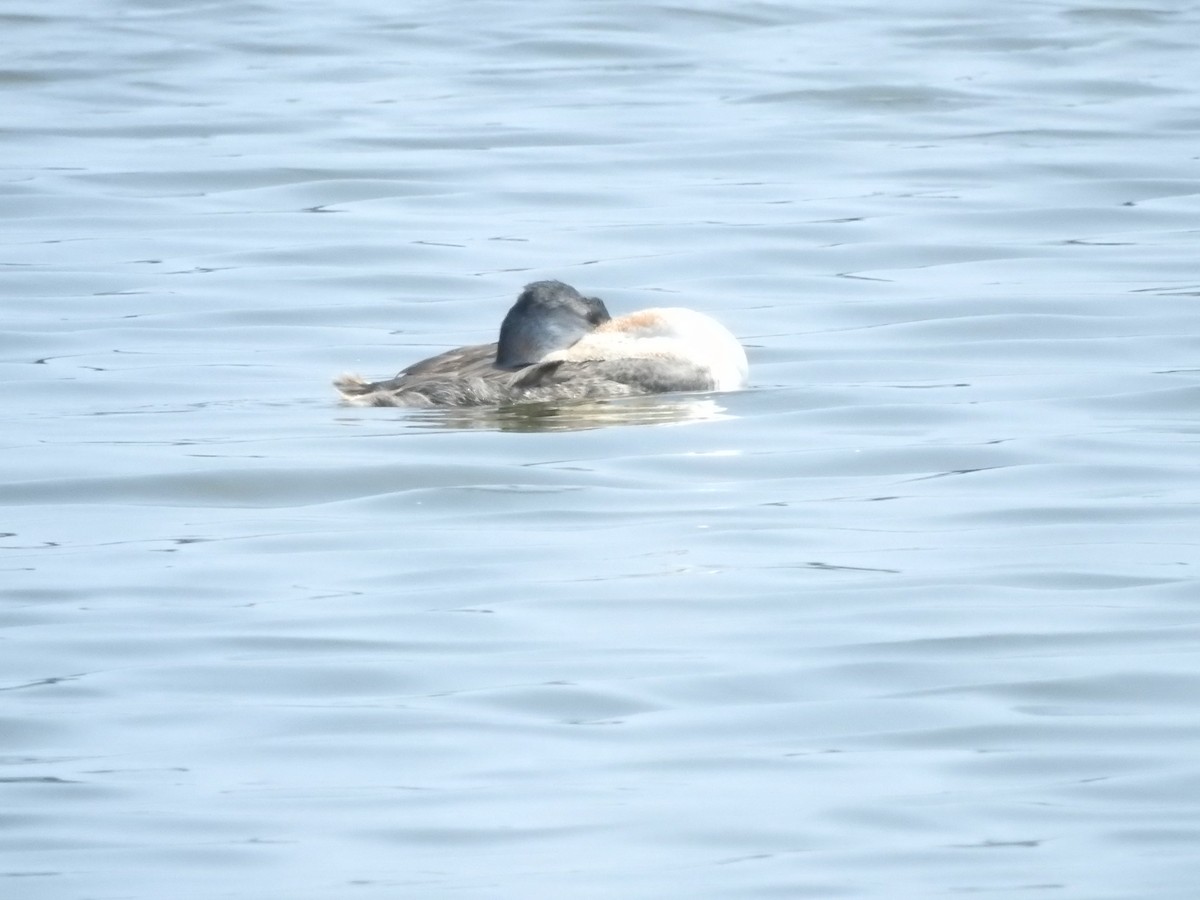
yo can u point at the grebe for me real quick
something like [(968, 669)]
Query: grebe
[(556, 344)]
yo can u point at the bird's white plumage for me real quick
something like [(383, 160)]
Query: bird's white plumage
[(667, 332)]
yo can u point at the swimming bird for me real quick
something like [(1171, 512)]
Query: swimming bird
[(556, 344)]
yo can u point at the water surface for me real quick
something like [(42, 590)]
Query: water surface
[(914, 616)]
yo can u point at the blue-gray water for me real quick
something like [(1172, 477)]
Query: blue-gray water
[(916, 616)]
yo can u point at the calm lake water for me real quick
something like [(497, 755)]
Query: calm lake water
[(915, 616)]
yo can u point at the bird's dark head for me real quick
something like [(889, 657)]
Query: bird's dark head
[(548, 316)]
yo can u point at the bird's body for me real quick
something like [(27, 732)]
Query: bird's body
[(557, 345)]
